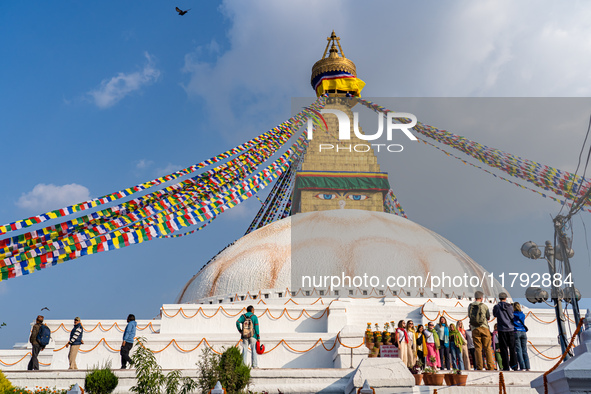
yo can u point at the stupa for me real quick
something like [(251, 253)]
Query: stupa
[(355, 238)]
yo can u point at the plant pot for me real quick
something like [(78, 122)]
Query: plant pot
[(370, 345), (433, 379), (460, 380), (449, 379), (378, 344), (372, 355), (418, 379)]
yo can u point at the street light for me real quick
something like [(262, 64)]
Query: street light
[(536, 294)]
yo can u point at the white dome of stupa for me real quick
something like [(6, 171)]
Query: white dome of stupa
[(336, 243)]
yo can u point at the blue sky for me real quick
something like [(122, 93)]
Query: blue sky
[(97, 97)]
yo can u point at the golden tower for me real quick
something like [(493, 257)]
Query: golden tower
[(348, 175)]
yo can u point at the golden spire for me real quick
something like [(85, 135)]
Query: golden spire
[(336, 60), (333, 50)]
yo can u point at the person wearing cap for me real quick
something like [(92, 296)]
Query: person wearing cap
[(75, 342), (479, 316), (503, 311)]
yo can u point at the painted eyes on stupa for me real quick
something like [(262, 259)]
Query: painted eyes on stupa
[(325, 196), (357, 197)]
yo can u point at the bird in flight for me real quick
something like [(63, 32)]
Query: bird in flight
[(181, 12), (44, 308)]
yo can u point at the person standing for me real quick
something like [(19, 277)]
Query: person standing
[(421, 344), (503, 311), (465, 356), (36, 346), (432, 340), (128, 338), (496, 349), (520, 337), (248, 326), (412, 344), (75, 342), (456, 342), (470, 348), (401, 337), (479, 316), (443, 332)]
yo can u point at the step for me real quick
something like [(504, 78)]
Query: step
[(292, 380)]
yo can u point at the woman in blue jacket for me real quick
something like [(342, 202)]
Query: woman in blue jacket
[(444, 351), (520, 337)]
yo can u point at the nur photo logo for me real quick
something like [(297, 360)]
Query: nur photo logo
[(344, 130)]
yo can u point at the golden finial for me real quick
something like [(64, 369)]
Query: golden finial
[(333, 49), (335, 61)]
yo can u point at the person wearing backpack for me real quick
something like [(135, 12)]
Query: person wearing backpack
[(248, 326), (40, 335), (479, 316)]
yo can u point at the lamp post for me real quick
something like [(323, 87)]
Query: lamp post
[(564, 255), (531, 251)]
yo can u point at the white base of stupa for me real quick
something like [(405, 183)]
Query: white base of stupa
[(301, 332)]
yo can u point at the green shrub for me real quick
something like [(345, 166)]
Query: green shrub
[(100, 380), (208, 367), (149, 376), (234, 375), (4, 384), (227, 368)]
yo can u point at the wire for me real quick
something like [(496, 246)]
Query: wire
[(579, 164), (586, 240)]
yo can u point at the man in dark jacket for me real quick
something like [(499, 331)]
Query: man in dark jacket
[(34, 362), (75, 342), (503, 311)]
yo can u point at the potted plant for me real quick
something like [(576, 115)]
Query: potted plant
[(449, 378), (369, 342), (430, 375), (386, 334), (375, 351), (457, 378), (416, 372), (378, 338)]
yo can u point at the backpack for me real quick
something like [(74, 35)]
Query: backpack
[(247, 328), (44, 335), (477, 315)]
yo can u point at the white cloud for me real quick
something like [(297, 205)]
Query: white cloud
[(111, 91), (167, 169), (49, 197), (143, 163)]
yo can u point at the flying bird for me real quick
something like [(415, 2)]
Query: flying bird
[(181, 12), (44, 308)]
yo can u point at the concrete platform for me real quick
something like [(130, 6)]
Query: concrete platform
[(325, 380)]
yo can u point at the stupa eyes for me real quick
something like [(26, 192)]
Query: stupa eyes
[(357, 197), (325, 196)]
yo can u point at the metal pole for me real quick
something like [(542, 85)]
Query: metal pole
[(550, 258), (570, 292)]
